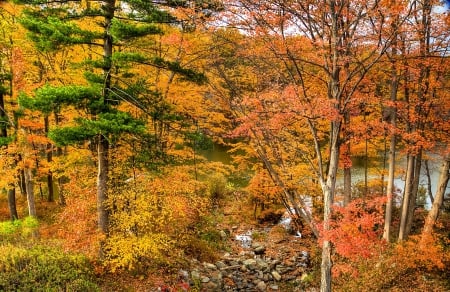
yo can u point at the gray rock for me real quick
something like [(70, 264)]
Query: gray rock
[(261, 286), (276, 275), (260, 275), (205, 279), (220, 265), (262, 265), (223, 235), (259, 249), (250, 264), (210, 266), (195, 275)]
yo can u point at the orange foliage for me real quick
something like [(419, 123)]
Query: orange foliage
[(356, 229), (262, 188)]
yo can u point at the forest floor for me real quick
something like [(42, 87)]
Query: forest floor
[(235, 218)]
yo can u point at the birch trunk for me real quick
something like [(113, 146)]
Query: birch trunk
[(328, 189), (438, 199), (390, 191), (30, 192), (406, 198)]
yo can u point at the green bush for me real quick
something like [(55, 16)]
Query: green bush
[(21, 228), (44, 269)]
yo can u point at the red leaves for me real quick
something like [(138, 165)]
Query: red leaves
[(356, 230)]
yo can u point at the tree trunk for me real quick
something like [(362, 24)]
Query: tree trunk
[(30, 192), (347, 185), (390, 190), (392, 118), (438, 199), (347, 167), (49, 149), (3, 124), (406, 197), (12, 204), (103, 144), (102, 184), (415, 190), (328, 190), (61, 196), (22, 183), (11, 191), (428, 174)]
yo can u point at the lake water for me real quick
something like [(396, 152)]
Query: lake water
[(399, 181), (219, 153)]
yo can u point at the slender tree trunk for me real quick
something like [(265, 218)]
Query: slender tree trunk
[(11, 191), (441, 187), (290, 198), (102, 183), (390, 188), (328, 190), (415, 190), (406, 197), (347, 155), (61, 191), (392, 119), (30, 192), (103, 144), (22, 183), (3, 128), (49, 149), (12, 204), (428, 174)]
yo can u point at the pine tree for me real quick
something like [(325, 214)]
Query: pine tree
[(112, 31)]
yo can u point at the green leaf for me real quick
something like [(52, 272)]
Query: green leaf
[(51, 33), (122, 30), (70, 135)]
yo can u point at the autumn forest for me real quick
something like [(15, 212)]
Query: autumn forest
[(217, 145)]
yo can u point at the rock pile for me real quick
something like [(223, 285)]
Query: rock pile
[(250, 271)]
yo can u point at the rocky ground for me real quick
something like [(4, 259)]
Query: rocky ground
[(261, 258)]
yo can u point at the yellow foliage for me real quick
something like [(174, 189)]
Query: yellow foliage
[(148, 216), (8, 170)]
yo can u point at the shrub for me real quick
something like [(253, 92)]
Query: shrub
[(17, 228), (44, 269)]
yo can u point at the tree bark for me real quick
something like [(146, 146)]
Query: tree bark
[(49, 147), (438, 199), (430, 192), (12, 204), (30, 192), (415, 190), (390, 190), (328, 191), (102, 184), (11, 191), (103, 144), (393, 122), (406, 197), (22, 183), (347, 155)]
